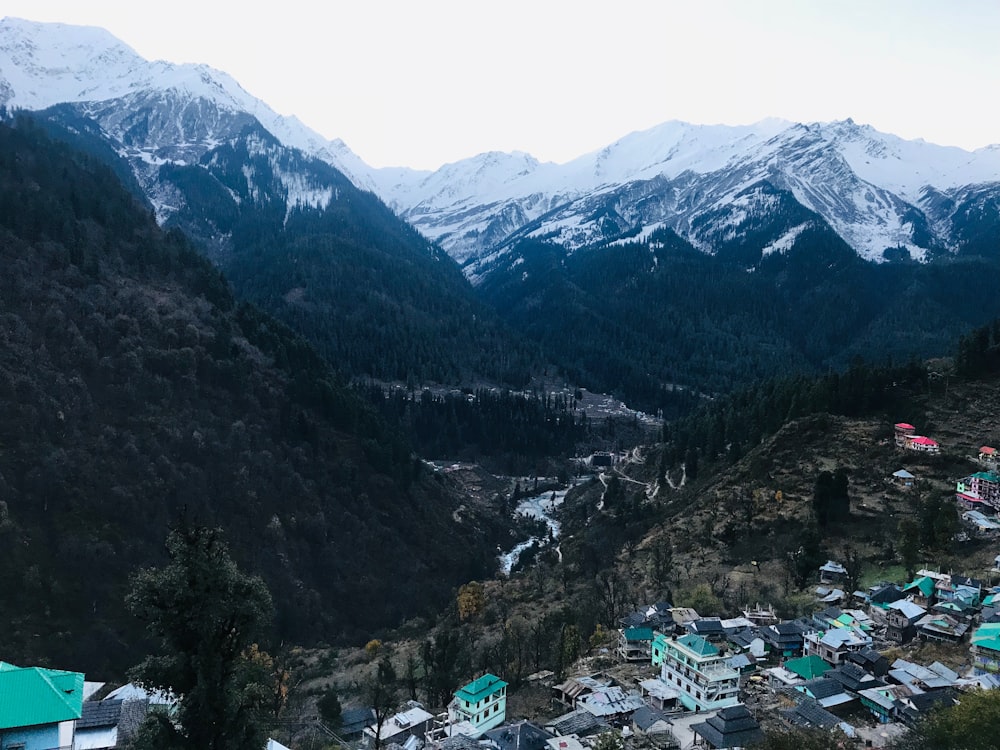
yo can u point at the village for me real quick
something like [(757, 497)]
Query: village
[(672, 678)]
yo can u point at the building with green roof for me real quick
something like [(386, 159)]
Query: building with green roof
[(808, 667), (921, 589), (698, 671), (482, 703), (986, 649), (38, 707)]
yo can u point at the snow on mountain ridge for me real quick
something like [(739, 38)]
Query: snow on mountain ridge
[(876, 190), (43, 64)]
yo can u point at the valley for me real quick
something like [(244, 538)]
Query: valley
[(488, 424)]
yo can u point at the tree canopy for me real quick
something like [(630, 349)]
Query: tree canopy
[(207, 617)]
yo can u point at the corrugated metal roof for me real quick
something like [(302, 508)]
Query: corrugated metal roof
[(480, 688), (30, 696)]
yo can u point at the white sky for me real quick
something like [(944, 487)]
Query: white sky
[(422, 82)]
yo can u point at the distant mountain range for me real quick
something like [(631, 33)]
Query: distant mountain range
[(706, 256), (884, 196), (710, 184)]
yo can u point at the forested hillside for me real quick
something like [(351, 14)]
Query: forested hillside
[(366, 289), (135, 391), (635, 318)]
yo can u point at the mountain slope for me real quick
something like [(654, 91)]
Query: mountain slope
[(135, 391), (290, 230)]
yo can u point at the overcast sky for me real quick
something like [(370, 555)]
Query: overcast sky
[(422, 82)]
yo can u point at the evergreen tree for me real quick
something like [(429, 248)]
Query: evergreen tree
[(206, 616)]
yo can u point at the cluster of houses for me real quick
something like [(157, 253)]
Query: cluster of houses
[(827, 669), (703, 679)]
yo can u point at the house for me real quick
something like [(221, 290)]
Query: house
[(761, 616), (38, 707), (853, 678), (578, 723), (827, 618), (920, 679), (911, 708), (779, 677), (988, 456), (655, 616), (981, 523), (827, 692), (731, 727), (482, 703), (610, 703), (658, 694), (748, 640), (902, 431), (649, 720), (567, 742), (833, 645), (884, 594), (681, 616), (921, 444), (698, 671), (414, 721), (986, 649), (635, 644), (881, 701), (709, 628), (921, 591), (786, 638), (903, 478), (807, 667), (902, 620), (808, 714), (832, 572), (658, 648), (572, 689), (830, 596), (870, 660), (941, 627), (521, 735), (979, 489), (109, 723)]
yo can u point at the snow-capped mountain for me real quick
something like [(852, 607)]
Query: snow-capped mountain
[(877, 191), (154, 112), (725, 189)]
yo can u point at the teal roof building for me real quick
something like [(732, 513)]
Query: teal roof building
[(38, 707)]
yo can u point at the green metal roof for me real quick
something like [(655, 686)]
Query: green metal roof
[(698, 645), (30, 696), (924, 584), (993, 644), (808, 667), (478, 689), (989, 476), (638, 634), (986, 632)]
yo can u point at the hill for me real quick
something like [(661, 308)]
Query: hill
[(749, 530), (136, 391)]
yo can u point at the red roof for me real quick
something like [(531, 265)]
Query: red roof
[(924, 441), (905, 426), (988, 451)]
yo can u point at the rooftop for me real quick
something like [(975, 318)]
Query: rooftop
[(30, 696), (480, 688)]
